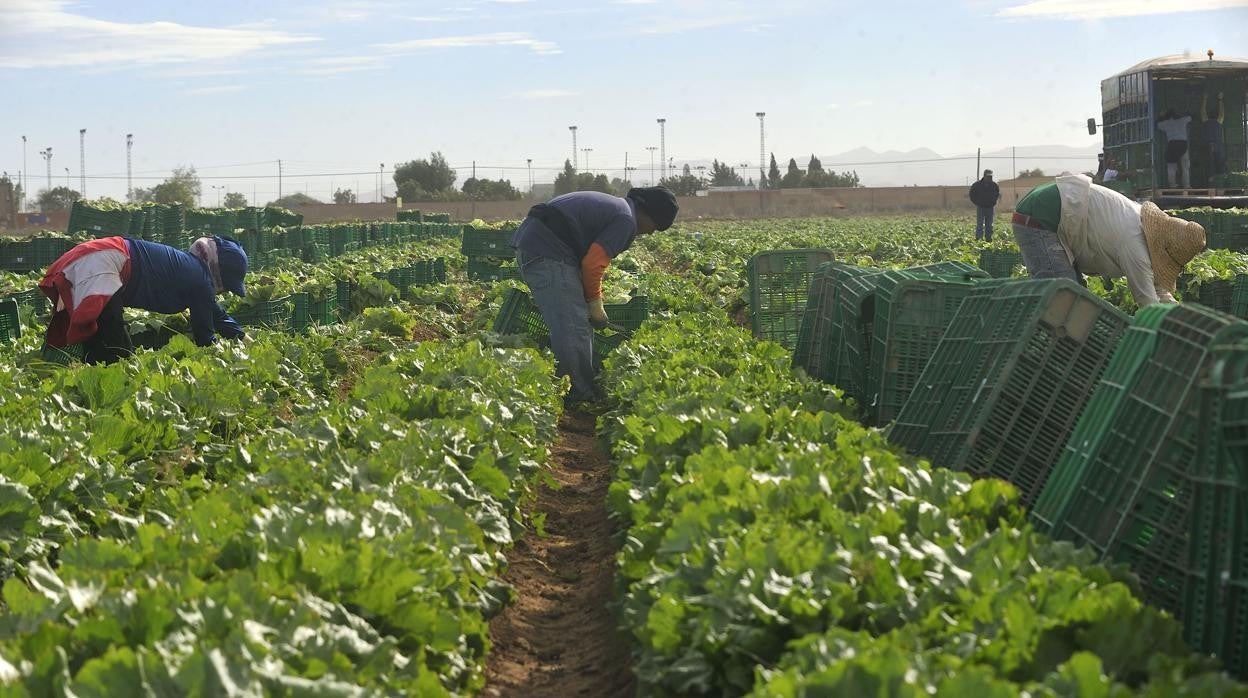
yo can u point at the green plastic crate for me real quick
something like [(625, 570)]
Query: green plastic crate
[(275, 313), (412, 215), (519, 315), (779, 285), (1124, 369), (910, 317), (98, 222), (342, 293), (999, 263), (809, 349), (63, 355), (324, 310), (32, 297), (490, 269), (1131, 498), (10, 324), (482, 242), (1008, 380), (1215, 593)]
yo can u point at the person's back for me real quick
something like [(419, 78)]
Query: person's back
[(984, 194)]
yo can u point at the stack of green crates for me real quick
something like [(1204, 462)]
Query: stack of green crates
[(1215, 598), (412, 215), (275, 216), (1003, 389), (813, 348), (32, 254), (153, 222), (519, 315), (173, 218), (444, 218), (779, 286), (275, 313), (489, 252), (323, 307), (1121, 486), (1225, 228), (99, 220), (138, 223), (248, 218)]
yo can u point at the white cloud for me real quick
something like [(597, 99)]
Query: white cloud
[(335, 65), (676, 26), (522, 39), (214, 89), (548, 94), (42, 34), (1101, 9)]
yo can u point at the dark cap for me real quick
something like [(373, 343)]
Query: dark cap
[(232, 260), (987, 173), (658, 202)]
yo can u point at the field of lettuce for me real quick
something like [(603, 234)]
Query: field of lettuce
[(331, 512)]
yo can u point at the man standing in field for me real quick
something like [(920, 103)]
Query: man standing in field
[(1071, 227), (984, 194), (563, 248)]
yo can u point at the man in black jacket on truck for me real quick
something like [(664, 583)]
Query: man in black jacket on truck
[(984, 194)]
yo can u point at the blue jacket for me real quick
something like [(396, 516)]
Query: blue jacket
[(164, 279)]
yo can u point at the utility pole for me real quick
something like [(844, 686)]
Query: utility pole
[(530, 163), (762, 149), (625, 165), (25, 194), (587, 151), (129, 171), (82, 161), (67, 178), (652, 149), (978, 172), (575, 163), (381, 182), (279, 179), (662, 146)]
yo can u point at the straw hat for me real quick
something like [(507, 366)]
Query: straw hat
[(1172, 243)]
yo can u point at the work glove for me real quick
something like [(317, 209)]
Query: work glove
[(598, 315)]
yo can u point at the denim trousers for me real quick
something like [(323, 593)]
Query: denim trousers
[(1043, 254), (560, 298), (983, 223)]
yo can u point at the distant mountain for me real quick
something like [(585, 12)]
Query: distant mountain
[(925, 167)]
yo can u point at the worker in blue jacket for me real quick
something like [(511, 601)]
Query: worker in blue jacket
[(92, 283)]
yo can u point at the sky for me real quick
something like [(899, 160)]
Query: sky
[(341, 90)]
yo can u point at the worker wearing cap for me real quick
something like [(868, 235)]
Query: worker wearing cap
[(92, 283), (563, 248), (1071, 227), (985, 194)]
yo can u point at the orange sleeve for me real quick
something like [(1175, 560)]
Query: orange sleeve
[(593, 267)]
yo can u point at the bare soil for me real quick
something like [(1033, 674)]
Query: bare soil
[(559, 637)]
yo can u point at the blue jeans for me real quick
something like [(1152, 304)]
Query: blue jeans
[(557, 291), (983, 223), (1044, 255)]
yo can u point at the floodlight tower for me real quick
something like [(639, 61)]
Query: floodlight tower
[(575, 161), (82, 161), (129, 171), (762, 149), (587, 151), (47, 157), (651, 149), (662, 143)]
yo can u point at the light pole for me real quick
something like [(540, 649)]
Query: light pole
[(530, 163), (762, 149), (129, 182), (218, 187), (575, 163), (662, 143), (67, 178), (381, 182), (47, 158), (82, 161), (24, 193), (587, 151), (652, 149)]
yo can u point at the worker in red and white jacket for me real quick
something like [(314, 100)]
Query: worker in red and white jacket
[(563, 248), (91, 284)]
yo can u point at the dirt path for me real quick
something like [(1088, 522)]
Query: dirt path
[(559, 638)]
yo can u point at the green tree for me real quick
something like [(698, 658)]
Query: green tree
[(794, 178), (1037, 172), (684, 185), (724, 176), (296, 199), (182, 187), (57, 199), (773, 174), (344, 196), (234, 199), (419, 179), (490, 190), (569, 180)]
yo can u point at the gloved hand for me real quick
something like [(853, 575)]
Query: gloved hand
[(598, 315)]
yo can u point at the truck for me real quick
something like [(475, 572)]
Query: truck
[(1204, 88)]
